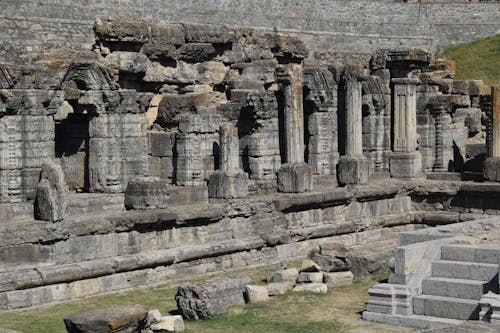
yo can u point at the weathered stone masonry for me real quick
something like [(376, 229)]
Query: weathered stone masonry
[(107, 156)]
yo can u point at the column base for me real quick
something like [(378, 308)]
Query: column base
[(405, 165), (228, 184), (295, 178), (492, 169), (353, 170)]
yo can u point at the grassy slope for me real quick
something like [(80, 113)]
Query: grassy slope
[(479, 60), (337, 311)]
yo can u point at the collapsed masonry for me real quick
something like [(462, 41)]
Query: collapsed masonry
[(103, 151)]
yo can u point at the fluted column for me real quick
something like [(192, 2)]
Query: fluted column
[(492, 164)]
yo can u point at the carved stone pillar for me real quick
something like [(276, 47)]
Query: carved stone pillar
[(492, 164), (295, 175), (229, 181), (405, 161), (353, 166)]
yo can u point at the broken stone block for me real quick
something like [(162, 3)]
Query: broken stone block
[(206, 299), (295, 178), (405, 165), (277, 288), (309, 266), (333, 249), (353, 170), (155, 193), (492, 169), (310, 277), (154, 316), (196, 52), (228, 184), (52, 193), (317, 288), (169, 324), (330, 263), (285, 275), (256, 294), (337, 279), (126, 319)]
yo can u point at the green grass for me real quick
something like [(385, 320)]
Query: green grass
[(479, 60), (335, 312)]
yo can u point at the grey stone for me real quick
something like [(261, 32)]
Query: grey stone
[(254, 294), (317, 288), (129, 319), (338, 279), (169, 324), (331, 263), (52, 193), (295, 178), (353, 170), (154, 193), (405, 165), (278, 288), (206, 299), (310, 277), (492, 169), (228, 184), (285, 275), (154, 316)]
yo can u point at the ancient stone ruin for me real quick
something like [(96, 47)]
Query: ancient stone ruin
[(155, 151)]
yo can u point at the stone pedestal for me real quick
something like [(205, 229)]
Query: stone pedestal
[(230, 181), (353, 170), (492, 169), (405, 165), (295, 178), (228, 184)]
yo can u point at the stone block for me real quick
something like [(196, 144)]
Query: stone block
[(126, 319), (161, 144), (154, 193), (310, 277), (405, 165), (169, 324), (206, 299), (492, 169), (254, 294), (309, 266), (167, 168), (228, 184), (264, 167), (353, 170), (295, 178), (52, 193), (84, 288), (278, 288), (337, 279), (330, 263), (281, 276), (316, 288), (154, 166)]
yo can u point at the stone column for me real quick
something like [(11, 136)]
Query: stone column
[(405, 161), (492, 164), (295, 175), (353, 166), (230, 181)]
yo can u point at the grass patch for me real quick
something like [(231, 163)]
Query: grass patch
[(479, 60), (337, 311)]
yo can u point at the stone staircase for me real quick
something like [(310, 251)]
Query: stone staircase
[(458, 281)]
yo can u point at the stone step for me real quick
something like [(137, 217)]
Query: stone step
[(458, 288), (446, 307), (464, 270), (91, 203), (471, 253), (418, 321)]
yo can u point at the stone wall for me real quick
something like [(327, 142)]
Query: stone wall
[(357, 26)]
